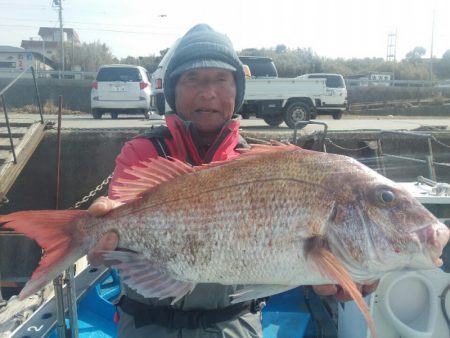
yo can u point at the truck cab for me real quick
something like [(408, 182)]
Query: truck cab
[(335, 100)]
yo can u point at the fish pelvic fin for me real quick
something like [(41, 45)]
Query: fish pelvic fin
[(52, 231), (141, 275), (254, 291), (332, 268)]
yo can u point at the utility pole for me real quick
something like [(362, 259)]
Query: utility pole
[(431, 48), (61, 31), (392, 51)]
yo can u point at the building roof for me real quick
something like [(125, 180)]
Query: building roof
[(71, 34), (39, 44), (11, 49)]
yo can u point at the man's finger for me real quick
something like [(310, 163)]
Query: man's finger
[(369, 288), (108, 242), (325, 290), (102, 206)]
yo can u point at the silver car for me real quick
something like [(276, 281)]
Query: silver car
[(120, 89)]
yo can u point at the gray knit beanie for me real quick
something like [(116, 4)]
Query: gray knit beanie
[(202, 47)]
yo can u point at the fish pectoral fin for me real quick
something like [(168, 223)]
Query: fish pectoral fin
[(139, 274), (254, 291)]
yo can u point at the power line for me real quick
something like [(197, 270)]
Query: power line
[(96, 24), (98, 29)]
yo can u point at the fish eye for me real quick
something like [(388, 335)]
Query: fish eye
[(386, 196)]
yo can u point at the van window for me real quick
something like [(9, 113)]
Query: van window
[(124, 74), (332, 81)]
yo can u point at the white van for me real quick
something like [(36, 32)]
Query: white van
[(120, 89), (335, 101)]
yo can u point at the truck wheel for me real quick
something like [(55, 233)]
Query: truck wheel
[(273, 121), (337, 115), (96, 114), (296, 112)]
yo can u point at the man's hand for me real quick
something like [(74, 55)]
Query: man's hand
[(110, 240), (340, 294)]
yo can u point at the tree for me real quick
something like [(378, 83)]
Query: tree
[(416, 54), (89, 56), (442, 66), (280, 49)]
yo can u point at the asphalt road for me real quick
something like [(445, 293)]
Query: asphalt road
[(346, 123)]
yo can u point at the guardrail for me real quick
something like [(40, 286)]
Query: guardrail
[(2, 97), (81, 75), (396, 83), (49, 74)]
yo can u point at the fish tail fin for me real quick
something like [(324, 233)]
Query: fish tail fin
[(330, 267), (52, 230)]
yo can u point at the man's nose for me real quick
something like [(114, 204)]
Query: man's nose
[(208, 89)]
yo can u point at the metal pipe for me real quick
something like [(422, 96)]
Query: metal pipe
[(58, 152), (38, 98), (9, 128), (380, 157), (431, 171), (406, 158), (59, 297), (430, 159), (72, 300)]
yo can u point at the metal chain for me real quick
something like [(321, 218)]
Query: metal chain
[(92, 193), (439, 142), (343, 148)]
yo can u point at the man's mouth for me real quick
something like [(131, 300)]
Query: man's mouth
[(206, 110)]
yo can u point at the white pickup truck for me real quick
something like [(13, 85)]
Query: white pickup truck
[(276, 100)]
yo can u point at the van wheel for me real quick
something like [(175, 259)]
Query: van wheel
[(296, 112), (96, 114), (273, 121), (337, 115), (114, 115)]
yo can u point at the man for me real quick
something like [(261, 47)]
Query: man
[(204, 84)]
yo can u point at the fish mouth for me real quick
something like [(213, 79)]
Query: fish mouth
[(435, 237)]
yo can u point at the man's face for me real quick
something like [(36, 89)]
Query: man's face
[(206, 97)]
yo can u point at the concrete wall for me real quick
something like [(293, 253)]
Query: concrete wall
[(381, 93), (76, 93)]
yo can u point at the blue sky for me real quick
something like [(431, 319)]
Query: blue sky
[(344, 28)]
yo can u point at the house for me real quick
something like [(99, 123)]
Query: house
[(371, 79), (16, 59), (49, 45)]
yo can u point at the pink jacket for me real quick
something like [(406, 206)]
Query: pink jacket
[(181, 145)]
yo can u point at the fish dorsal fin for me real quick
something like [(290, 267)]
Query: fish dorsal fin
[(147, 175), (273, 147), (332, 268), (152, 172), (255, 150)]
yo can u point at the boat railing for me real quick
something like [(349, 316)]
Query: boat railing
[(376, 144), (429, 159)]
